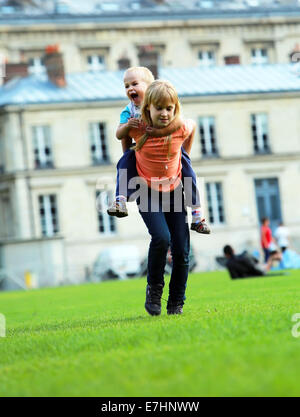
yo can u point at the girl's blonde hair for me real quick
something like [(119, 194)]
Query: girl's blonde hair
[(159, 93), (145, 74)]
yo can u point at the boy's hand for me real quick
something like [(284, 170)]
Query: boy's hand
[(133, 123)]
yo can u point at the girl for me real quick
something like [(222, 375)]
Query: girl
[(158, 162)]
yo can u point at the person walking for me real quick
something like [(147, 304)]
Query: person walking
[(158, 163)]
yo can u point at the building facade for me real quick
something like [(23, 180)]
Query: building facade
[(163, 38)]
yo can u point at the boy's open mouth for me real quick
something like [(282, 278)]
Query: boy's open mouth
[(134, 96)]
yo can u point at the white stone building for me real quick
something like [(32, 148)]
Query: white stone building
[(172, 36)]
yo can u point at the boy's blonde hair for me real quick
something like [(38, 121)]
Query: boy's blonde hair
[(145, 74), (159, 93)]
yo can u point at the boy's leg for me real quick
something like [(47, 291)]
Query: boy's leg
[(126, 170), (190, 185), (192, 195)]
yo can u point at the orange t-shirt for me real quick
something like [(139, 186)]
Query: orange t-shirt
[(161, 172)]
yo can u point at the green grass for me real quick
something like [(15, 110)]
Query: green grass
[(234, 339)]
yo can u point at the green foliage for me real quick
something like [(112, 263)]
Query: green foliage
[(234, 339)]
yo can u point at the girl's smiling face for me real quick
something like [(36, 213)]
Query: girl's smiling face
[(162, 114)]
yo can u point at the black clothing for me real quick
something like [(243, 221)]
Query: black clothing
[(243, 266)]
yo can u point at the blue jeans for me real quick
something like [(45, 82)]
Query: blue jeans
[(191, 192), (266, 254), (128, 162), (165, 229)]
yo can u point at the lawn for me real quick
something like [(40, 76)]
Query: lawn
[(234, 339)]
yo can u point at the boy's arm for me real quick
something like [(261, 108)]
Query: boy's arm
[(165, 131), (122, 131), (187, 144), (124, 128)]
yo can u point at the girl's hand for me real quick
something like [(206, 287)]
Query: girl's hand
[(151, 131), (164, 131), (133, 123)]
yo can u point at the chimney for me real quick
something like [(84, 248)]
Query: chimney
[(54, 64), (19, 70), (232, 60)]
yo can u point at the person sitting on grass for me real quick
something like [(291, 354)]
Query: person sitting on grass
[(241, 266), (246, 265)]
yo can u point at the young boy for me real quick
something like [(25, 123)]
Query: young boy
[(136, 81)]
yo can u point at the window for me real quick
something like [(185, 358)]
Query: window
[(259, 125), (6, 216), (151, 56), (96, 62), (106, 223), (42, 147), (268, 200), (97, 134), (48, 214), (259, 56), (123, 63), (215, 202), (208, 136), (2, 153), (36, 66), (206, 58)]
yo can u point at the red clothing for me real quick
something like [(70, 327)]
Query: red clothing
[(161, 172), (266, 236)]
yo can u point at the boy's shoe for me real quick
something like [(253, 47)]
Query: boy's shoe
[(118, 209), (175, 307), (201, 227), (153, 299)]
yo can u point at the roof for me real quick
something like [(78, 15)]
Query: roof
[(190, 82), (148, 14)]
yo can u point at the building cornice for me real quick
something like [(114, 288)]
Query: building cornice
[(91, 172), (247, 161), (13, 240), (186, 18), (59, 172)]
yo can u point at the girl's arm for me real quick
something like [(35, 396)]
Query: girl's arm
[(187, 144)]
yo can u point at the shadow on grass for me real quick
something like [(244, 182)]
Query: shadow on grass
[(82, 324)]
